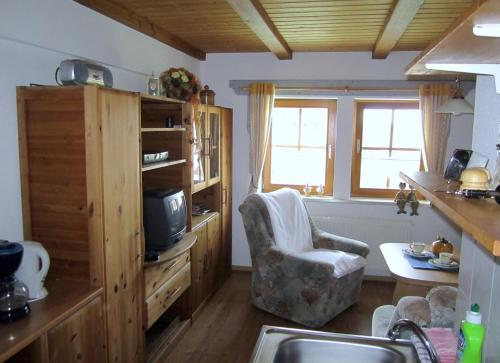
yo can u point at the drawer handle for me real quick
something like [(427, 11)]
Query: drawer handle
[(172, 265), (174, 292)]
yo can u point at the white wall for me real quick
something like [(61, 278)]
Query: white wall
[(219, 69), (35, 36), (479, 270)]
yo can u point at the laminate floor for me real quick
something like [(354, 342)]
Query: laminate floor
[(227, 328)]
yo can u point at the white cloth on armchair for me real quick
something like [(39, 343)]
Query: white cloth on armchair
[(292, 232)]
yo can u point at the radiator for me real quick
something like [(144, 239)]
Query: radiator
[(372, 231)]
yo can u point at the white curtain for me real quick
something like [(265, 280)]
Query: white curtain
[(261, 107), (435, 126)]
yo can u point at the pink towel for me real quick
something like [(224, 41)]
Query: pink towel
[(443, 340)]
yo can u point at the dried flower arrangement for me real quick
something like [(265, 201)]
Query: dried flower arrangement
[(180, 84)]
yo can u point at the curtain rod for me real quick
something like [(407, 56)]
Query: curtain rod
[(345, 89)]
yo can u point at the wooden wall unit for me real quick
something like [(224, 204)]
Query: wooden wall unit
[(82, 184)]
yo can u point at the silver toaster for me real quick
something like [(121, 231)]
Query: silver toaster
[(79, 72)]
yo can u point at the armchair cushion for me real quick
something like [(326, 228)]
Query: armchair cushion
[(344, 263)]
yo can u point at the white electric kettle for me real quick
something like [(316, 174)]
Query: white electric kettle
[(33, 270)]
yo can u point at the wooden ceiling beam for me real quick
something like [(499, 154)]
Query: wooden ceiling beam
[(141, 24), (398, 20), (253, 13)]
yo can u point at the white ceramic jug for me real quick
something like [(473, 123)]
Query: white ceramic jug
[(33, 270)]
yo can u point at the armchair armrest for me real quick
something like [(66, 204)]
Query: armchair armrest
[(322, 239)]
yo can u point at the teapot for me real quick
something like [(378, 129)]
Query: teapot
[(33, 269)]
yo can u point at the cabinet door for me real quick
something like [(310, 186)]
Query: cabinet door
[(199, 267), (199, 147), (214, 253), (80, 338), (226, 188), (214, 145), (122, 192)]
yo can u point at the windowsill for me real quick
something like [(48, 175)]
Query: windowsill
[(358, 200)]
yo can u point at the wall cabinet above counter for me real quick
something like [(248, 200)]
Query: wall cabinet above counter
[(478, 217), (459, 50)]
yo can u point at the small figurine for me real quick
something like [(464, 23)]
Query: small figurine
[(401, 198), (412, 200)]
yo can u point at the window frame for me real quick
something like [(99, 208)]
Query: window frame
[(360, 105), (331, 105)]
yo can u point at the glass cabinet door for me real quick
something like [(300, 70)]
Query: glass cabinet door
[(199, 145), (214, 142)]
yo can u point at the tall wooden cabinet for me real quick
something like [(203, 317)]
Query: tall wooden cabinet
[(82, 185), (81, 189)]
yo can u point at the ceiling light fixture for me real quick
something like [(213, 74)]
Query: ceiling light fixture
[(457, 105), (486, 30)]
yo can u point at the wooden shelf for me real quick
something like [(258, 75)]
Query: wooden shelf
[(162, 164), (64, 299), (162, 129), (179, 248), (459, 45), (478, 217), (196, 221), (145, 98)]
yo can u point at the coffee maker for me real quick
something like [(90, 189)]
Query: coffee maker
[(13, 293)]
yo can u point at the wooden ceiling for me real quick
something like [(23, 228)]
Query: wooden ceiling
[(197, 27)]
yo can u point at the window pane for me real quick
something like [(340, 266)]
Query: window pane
[(293, 167), (381, 171), (407, 129), (314, 126), (376, 127), (285, 126)]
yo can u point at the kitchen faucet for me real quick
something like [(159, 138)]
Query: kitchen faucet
[(394, 332)]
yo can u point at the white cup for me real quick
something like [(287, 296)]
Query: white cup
[(445, 257), (417, 247)]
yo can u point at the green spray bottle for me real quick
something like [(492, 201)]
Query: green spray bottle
[(470, 340)]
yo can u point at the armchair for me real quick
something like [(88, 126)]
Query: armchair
[(308, 285)]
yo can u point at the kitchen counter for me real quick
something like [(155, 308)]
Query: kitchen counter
[(478, 217), (64, 299)]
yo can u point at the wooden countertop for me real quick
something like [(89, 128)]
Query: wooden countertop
[(478, 217), (65, 298), (401, 270)]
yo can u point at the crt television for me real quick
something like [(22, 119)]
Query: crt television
[(165, 216)]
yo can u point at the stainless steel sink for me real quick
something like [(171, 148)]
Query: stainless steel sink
[(283, 345)]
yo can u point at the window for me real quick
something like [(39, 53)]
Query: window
[(300, 148), (388, 139)]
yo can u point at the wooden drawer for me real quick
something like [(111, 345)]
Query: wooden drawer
[(156, 275), (166, 295)]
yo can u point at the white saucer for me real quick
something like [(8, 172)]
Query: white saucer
[(422, 255), (445, 266)]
